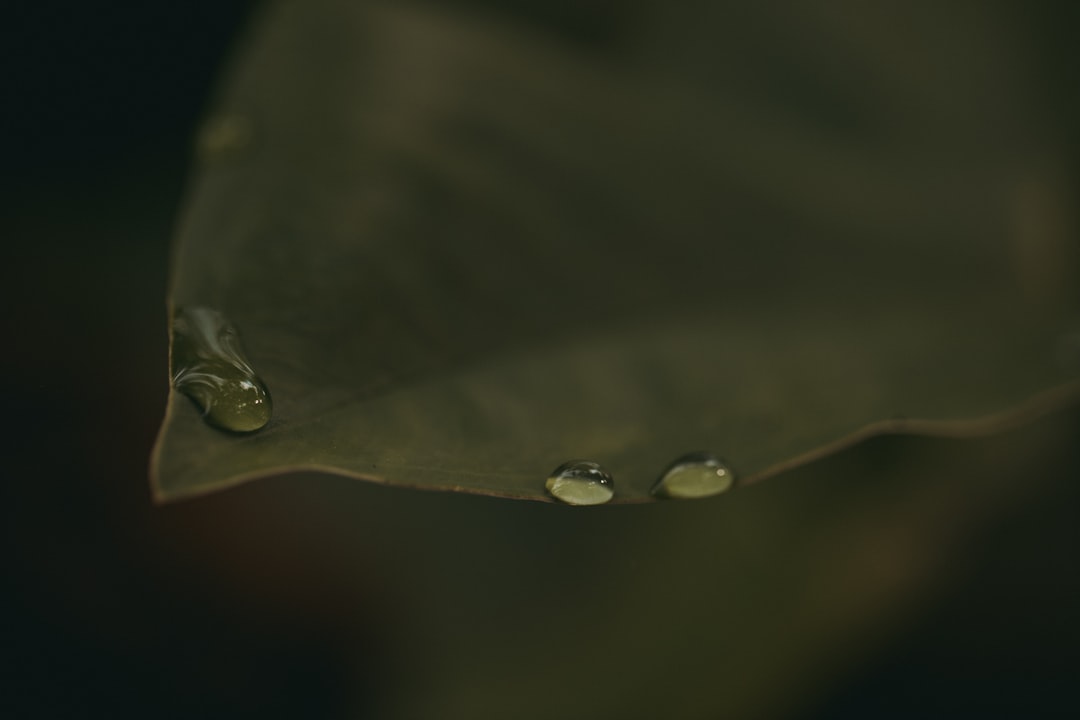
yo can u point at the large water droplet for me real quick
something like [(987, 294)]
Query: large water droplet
[(580, 482), (694, 475), (209, 366)]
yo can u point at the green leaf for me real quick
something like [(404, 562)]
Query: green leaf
[(461, 251)]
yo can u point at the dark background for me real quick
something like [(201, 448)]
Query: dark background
[(113, 607)]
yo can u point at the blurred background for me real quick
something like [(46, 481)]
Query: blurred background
[(904, 577)]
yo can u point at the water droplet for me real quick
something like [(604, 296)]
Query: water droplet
[(580, 482), (209, 366), (694, 475)]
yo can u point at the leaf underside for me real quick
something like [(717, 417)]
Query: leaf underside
[(462, 249)]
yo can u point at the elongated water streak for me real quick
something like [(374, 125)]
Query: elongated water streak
[(209, 366)]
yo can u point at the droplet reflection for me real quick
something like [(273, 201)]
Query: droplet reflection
[(580, 482), (694, 475), (209, 366)]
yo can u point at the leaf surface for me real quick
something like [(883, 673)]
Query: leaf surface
[(462, 249)]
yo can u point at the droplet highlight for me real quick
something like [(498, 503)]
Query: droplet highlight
[(580, 482), (209, 366), (695, 475)]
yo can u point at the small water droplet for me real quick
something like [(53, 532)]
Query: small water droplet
[(580, 482), (694, 475), (209, 366)]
